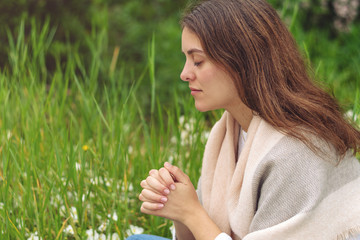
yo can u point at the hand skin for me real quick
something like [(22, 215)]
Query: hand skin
[(180, 205)]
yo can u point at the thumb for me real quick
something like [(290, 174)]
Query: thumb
[(176, 172)]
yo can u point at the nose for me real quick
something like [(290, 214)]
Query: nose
[(187, 73)]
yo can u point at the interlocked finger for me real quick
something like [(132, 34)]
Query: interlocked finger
[(155, 185), (147, 207), (150, 196), (155, 173), (167, 177)]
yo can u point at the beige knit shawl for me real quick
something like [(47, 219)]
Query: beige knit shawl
[(227, 191)]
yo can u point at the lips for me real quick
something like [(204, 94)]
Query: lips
[(195, 91)]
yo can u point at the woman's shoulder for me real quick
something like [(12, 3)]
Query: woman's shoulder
[(292, 178), (294, 156)]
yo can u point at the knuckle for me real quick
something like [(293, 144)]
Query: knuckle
[(148, 179), (164, 172), (176, 169), (153, 172)]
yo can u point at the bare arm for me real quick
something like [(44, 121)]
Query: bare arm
[(202, 227), (183, 232)]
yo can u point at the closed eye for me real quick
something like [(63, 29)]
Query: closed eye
[(196, 64)]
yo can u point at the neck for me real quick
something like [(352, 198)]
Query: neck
[(242, 114)]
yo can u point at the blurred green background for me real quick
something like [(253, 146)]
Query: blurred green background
[(325, 30)]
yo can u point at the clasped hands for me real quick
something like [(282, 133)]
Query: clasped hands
[(168, 192)]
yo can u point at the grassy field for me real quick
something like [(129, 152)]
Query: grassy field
[(75, 144)]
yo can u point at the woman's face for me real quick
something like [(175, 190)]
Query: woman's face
[(211, 87)]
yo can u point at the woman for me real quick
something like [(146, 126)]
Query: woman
[(280, 162)]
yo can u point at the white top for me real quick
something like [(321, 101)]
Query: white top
[(223, 236)]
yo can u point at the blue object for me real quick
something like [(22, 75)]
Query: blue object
[(145, 237)]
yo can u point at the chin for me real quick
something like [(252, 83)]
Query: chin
[(202, 108)]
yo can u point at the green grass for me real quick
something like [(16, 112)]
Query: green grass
[(82, 138)]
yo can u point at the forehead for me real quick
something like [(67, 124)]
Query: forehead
[(190, 40)]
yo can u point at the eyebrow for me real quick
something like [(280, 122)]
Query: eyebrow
[(194, 50)]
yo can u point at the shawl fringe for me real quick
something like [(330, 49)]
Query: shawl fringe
[(348, 234)]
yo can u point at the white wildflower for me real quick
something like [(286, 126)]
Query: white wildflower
[(351, 115), (1, 206), (184, 137), (18, 200), (56, 200), (78, 166), (129, 188), (69, 230), (114, 216), (92, 234), (172, 230), (20, 223), (114, 236), (63, 211), (134, 230), (94, 181), (192, 122), (206, 134), (73, 214), (103, 226), (118, 185), (71, 195), (107, 182), (98, 217), (9, 134), (182, 120), (171, 159), (63, 180), (92, 195), (102, 237), (34, 236), (187, 131), (130, 150)]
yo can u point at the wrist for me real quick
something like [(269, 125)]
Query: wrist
[(194, 216), (201, 225)]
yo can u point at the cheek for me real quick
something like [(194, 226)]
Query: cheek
[(209, 77)]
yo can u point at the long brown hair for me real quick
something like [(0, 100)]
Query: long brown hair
[(248, 39)]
